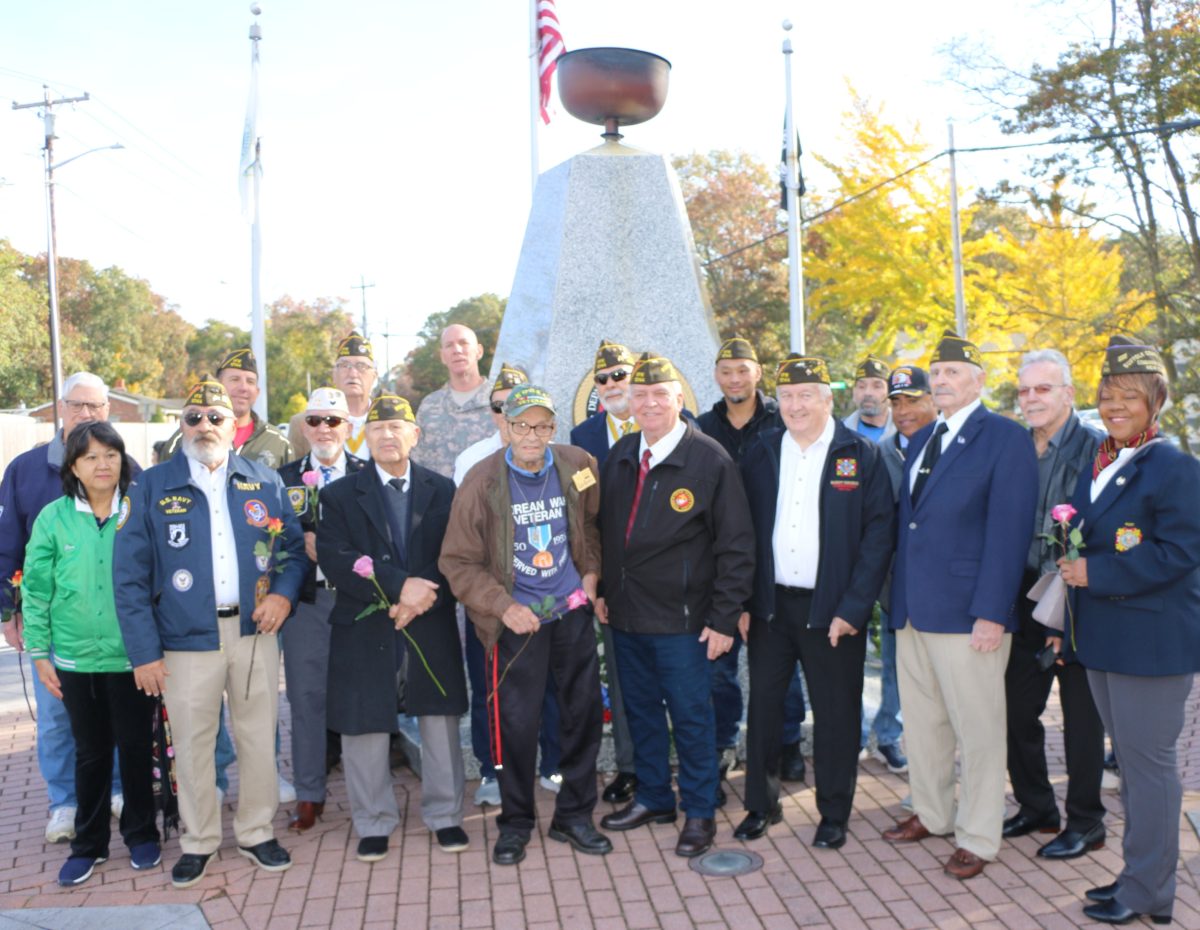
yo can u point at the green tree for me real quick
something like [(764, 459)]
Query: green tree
[(24, 333), (302, 339), (423, 370)]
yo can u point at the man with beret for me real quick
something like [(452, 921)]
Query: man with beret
[(967, 502), (305, 644), (355, 376), (824, 528), (678, 565), (381, 532), (523, 554), (457, 414), (871, 417), (207, 563)]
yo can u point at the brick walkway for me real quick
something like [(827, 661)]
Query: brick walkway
[(641, 884)]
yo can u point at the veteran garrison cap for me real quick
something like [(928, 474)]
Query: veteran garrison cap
[(611, 354), (510, 376), (653, 369), (208, 392), (954, 348), (525, 397), (802, 369), (390, 407), (908, 380), (871, 367), (239, 360), (1123, 357), (737, 347), (355, 345)]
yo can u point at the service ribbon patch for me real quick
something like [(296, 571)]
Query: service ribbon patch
[(846, 468)]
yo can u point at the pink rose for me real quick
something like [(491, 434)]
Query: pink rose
[(364, 567), (1063, 513), (311, 478), (576, 599)]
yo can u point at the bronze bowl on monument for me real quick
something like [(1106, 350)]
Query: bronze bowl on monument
[(612, 87)]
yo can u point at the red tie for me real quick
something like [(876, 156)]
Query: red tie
[(637, 495)]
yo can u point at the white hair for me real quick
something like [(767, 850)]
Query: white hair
[(1053, 356), (84, 379)]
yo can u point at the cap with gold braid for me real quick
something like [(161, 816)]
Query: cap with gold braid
[(611, 354), (355, 345), (1122, 357), (954, 348), (653, 369), (390, 407), (239, 360), (208, 392), (510, 376), (802, 369), (871, 367), (737, 347)]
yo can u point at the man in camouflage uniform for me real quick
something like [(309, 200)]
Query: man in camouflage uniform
[(458, 414)]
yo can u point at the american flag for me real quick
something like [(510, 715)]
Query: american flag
[(550, 46)]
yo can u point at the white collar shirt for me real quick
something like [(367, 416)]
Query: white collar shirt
[(617, 428), (385, 477), (665, 446), (796, 541), (214, 485), (954, 424)]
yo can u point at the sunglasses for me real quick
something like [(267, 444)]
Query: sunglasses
[(194, 418), (497, 408), (619, 375), (1041, 390), (331, 422)]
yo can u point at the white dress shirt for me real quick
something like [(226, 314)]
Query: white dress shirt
[(665, 446), (616, 428), (954, 423), (336, 470), (404, 479), (214, 485), (796, 542)]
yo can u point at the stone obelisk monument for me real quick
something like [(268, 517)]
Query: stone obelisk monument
[(608, 250)]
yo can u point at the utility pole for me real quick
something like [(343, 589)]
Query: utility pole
[(47, 106), (791, 181), (362, 285)]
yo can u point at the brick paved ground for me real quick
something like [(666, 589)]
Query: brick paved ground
[(641, 884)]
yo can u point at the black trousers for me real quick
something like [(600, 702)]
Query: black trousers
[(835, 683), (566, 649), (106, 711), (1026, 690)]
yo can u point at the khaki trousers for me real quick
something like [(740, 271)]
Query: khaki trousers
[(195, 683), (953, 698)]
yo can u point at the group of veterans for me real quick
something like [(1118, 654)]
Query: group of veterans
[(997, 558)]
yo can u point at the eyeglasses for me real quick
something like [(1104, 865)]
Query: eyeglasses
[(521, 428), (331, 422), (619, 375), (194, 418), (82, 404), (1041, 390), (497, 408), (361, 367)]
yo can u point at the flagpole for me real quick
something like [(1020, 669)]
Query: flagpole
[(534, 93), (792, 183), (960, 305), (258, 334)]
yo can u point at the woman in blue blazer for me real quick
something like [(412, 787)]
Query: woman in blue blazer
[(1136, 619)]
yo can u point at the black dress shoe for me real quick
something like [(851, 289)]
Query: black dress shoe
[(268, 855), (1113, 912), (372, 848), (1103, 893), (1020, 823), (696, 837), (583, 836), (721, 798), (830, 835), (791, 763), (620, 790), (636, 815), (189, 869), (1071, 844), (754, 825), (509, 849)]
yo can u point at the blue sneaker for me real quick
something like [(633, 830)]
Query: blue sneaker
[(78, 869), (892, 757), (145, 855)]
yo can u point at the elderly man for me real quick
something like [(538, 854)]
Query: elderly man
[(824, 524), (325, 427), (355, 376), (871, 417), (678, 565), (967, 503), (32, 481), (1065, 448), (208, 561), (523, 554), (456, 415), (380, 534)]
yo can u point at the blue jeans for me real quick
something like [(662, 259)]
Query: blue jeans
[(659, 668), (887, 724)]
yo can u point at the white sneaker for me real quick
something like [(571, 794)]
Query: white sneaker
[(118, 805), (220, 796), (488, 792), (61, 826), (551, 782), (287, 791)]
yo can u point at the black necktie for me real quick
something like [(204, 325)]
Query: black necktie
[(933, 452), (397, 501)]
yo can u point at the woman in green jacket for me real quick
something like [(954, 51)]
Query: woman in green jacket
[(72, 636)]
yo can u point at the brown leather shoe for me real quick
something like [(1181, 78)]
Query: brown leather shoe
[(963, 865), (305, 815), (907, 831)]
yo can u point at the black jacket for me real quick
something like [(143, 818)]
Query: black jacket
[(715, 423), (690, 560), (299, 496), (858, 527), (364, 655)]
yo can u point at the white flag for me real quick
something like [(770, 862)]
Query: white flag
[(249, 168)]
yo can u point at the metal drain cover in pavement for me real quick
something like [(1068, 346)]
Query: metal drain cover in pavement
[(727, 862)]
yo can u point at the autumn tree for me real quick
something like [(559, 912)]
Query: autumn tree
[(302, 340), (423, 370)]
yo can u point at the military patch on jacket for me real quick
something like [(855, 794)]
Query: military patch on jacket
[(255, 485), (182, 580), (683, 500), (256, 513), (174, 505), (123, 513), (177, 534), (846, 468), (298, 498), (1128, 536)]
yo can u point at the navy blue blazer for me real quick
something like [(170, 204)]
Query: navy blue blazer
[(1140, 613), (960, 553), (592, 435)]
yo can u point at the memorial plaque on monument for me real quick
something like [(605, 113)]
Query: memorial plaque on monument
[(608, 250)]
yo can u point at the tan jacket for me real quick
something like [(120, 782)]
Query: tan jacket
[(477, 550)]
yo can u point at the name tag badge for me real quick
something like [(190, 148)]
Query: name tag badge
[(583, 479)]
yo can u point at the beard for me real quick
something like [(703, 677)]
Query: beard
[(326, 451), (206, 450), (871, 408), (618, 405)]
